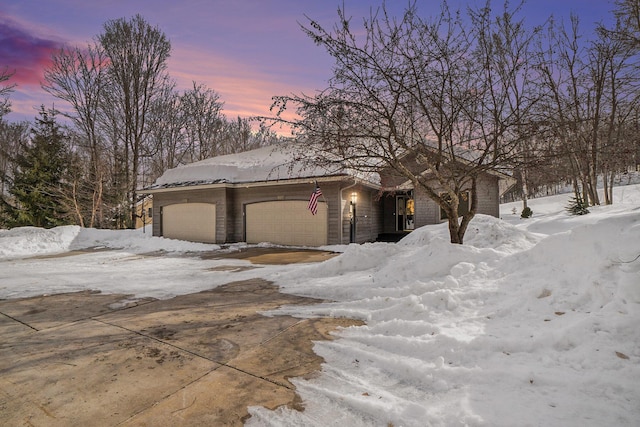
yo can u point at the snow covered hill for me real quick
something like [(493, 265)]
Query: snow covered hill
[(531, 323)]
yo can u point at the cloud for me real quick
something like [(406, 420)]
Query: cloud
[(24, 52), (246, 84)]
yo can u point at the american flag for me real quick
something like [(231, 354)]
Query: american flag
[(313, 201)]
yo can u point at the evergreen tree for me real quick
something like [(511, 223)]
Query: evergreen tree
[(39, 180), (577, 206)]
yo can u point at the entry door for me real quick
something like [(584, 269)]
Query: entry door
[(405, 211), (400, 212)]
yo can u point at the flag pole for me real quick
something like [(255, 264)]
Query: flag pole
[(317, 186), (313, 200)]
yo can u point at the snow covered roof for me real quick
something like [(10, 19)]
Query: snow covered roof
[(271, 163)]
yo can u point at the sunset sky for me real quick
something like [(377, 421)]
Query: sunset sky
[(246, 50)]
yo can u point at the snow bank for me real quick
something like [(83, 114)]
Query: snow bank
[(135, 241), (513, 328), (483, 232), (31, 241), (23, 242)]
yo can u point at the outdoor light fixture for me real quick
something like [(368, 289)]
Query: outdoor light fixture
[(354, 198)]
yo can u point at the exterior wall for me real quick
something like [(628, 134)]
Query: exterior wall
[(336, 194), (239, 197), (215, 195), (368, 214), (231, 203), (376, 215), (488, 195), (375, 212), (230, 229), (428, 212), (143, 208)]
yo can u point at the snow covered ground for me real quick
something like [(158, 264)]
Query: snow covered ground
[(531, 323)]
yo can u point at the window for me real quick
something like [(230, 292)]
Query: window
[(464, 204)]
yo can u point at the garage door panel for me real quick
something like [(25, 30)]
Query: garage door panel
[(286, 223), (195, 222)]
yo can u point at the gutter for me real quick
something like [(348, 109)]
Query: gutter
[(248, 184)]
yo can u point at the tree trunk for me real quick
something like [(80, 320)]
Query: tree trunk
[(76, 205), (576, 188), (458, 225), (611, 176), (584, 189), (525, 188), (454, 231), (593, 188), (134, 185)]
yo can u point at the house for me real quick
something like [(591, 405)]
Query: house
[(144, 212), (263, 195)]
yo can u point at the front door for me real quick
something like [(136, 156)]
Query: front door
[(405, 211)]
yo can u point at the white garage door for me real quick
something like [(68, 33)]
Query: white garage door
[(286, 223), (195, 222)]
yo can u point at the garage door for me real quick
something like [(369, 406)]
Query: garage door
[(286, 223), (195, 222)]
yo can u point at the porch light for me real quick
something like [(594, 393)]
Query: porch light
[(354, 198)]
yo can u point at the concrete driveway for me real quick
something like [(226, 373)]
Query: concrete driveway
[(200, 359)]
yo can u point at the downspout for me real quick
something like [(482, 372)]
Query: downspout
[(341, 212)]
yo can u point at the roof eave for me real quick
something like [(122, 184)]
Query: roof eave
[(251, 184)]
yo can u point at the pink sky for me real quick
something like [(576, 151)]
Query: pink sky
[(246, 50)]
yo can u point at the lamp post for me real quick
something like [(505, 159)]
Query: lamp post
[(352, 228)]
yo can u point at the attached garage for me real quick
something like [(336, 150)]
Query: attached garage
[(195, 222), (286, 223)]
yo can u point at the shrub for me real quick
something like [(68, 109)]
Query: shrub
[(526, 212)]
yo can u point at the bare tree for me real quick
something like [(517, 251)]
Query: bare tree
[(621, 101), (137, 56), (265, 136), (591, 92), (238, 136), (116, 200), (627, 31), (79, 77), (509, 81), (441, 95), (167, 134), (130, 124), (204, 121), (562, 66)]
